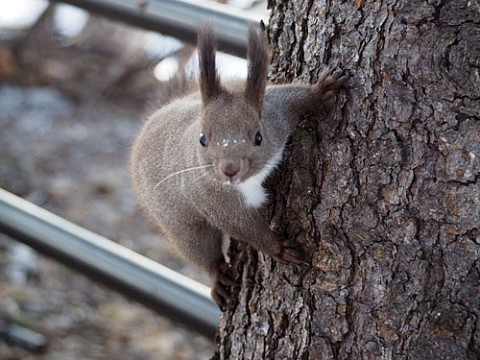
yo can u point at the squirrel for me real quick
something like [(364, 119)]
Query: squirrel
[(199, 162)]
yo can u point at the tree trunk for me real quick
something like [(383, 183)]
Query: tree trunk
[(384, 192)]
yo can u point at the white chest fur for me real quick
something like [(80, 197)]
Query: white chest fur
[(252, 190)]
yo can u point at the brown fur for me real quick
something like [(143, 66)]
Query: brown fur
[(209, 80), (258, 60), (199, 194)]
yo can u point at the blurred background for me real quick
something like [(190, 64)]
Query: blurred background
[(75, 89)]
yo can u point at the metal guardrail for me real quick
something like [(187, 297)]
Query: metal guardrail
[(179, 18), (161, 289)]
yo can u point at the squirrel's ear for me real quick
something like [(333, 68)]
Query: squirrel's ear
[(257, 55), (209, 80)]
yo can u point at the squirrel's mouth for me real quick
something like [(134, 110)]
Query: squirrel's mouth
[(232, 182), (232, 171)]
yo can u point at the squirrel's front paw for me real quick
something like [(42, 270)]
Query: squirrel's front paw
[(328, 83), (292, 253), (222, 288)]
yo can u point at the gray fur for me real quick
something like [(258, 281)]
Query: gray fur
[(199, 194)]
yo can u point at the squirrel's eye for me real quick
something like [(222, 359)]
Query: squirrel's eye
[(203, 139), (258, 138)]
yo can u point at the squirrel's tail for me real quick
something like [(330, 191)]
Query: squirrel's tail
[(180, 84)]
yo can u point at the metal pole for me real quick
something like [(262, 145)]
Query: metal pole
[(179, 18), (163, 290)]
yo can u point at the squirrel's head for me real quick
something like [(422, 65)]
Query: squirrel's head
[(231, 136)]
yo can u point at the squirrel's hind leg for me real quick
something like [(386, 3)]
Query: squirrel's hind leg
[(208, 255)]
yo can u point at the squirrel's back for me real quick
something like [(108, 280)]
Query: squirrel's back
[(164, 147)]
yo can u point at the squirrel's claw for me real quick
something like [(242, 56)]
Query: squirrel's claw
[(221, 296), (292, 253), (222, 289), (331, 79), (329, 82)]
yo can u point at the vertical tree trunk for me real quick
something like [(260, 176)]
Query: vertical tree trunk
[(384, 192)]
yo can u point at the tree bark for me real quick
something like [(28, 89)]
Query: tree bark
[(384, 191)]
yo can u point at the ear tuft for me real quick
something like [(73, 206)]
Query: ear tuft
[(258, 61), (209, 79)]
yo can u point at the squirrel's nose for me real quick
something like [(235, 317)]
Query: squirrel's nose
[(230, 169)]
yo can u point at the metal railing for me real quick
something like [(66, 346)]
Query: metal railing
[(179, 18), (161, 289)]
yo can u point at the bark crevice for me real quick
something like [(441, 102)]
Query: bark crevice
[(383, 192)]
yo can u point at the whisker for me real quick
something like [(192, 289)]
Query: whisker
[(181, 172), (200, 177)]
